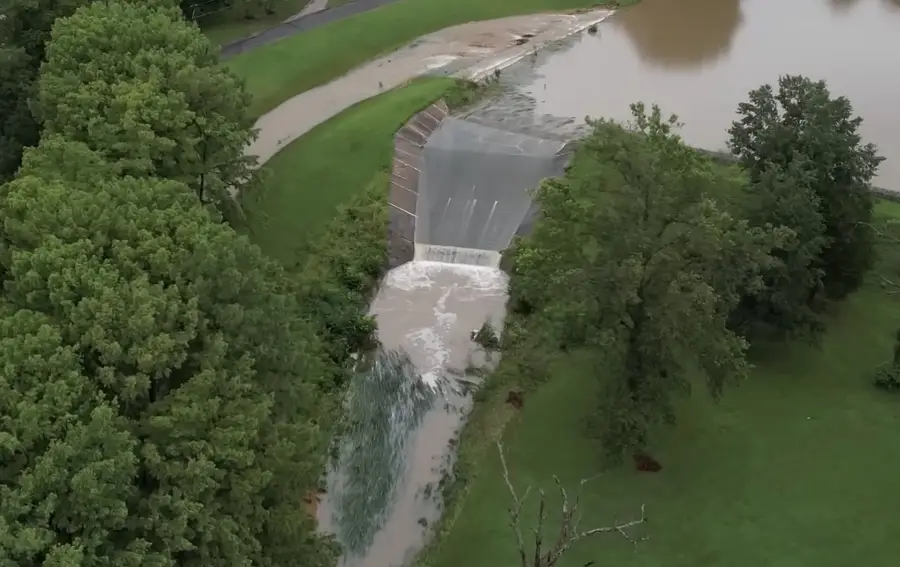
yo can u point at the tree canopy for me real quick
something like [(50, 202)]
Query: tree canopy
[(165, 400), (153, 100), (166, 397), (633, 256), (802, 132)]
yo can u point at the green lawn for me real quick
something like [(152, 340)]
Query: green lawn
[(329, 165), (278, 71), (231, 24), (797, 467)]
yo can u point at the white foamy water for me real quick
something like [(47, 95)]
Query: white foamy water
[(457, 255), (442, 299), (427, 309)]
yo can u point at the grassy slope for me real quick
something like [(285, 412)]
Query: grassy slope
[(276, 72), (228, 25), (792, 469), (329, 165)]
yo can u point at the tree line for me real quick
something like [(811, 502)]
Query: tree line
[(167, 392), (667, 264)]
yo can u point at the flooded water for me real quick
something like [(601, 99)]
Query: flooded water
[(383, 492), (699, 58)]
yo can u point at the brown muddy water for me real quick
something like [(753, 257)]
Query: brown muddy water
[(383, 490), (695, 58), (699, 58)]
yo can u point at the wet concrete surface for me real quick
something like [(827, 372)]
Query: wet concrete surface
[(426, 309), (486, 44), (477, 183), (699, 58)]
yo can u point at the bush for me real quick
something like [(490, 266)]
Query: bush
[(888, 378), (342, 269)]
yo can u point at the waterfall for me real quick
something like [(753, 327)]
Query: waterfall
[(457, 255)]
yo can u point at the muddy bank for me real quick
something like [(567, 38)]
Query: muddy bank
[(381, 506)]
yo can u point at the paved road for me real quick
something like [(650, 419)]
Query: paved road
[(299, 25)]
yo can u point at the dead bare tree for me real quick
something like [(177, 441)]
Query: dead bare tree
[(570, 518), (890, 239)]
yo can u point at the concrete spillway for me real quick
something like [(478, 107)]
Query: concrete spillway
[(476, 184)]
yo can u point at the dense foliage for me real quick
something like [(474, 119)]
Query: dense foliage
[(167, 394), (24, 32), (163, 374), (634, 257), (662, 264), (811, 140), (165, 109)]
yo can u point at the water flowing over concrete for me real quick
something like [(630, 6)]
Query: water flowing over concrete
[(456, 255), (383, 493), (476, 183), (699, 58), (485, 45)]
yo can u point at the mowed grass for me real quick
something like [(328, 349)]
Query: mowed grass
[(330, 164), (278, 71), (231, 24), (798, 466)]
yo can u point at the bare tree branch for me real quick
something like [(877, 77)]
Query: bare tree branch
[(570, 519), (880, 233), (516, 511), (885, 237)]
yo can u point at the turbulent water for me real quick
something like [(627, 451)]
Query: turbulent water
[(457, 255), (383, 490)]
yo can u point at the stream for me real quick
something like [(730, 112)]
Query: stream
[(695, 58)]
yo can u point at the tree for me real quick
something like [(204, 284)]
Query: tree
[(171, 401), (18, 128), (633, 257), (154, 100), (24, 31), (788, 305), (802, 125), (570, 518)]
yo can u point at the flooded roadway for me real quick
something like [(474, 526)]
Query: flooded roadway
[(699, 58)]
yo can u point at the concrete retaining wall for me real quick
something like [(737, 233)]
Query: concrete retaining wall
[(403, 195)]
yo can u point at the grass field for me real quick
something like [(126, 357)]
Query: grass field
[(329, 165), (278, 71), (796, 467), (231, 24)]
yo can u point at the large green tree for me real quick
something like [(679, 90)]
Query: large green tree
[(24, 31), (789, 303), (634, 258), (802, 131), (154, 99), (164, 399)]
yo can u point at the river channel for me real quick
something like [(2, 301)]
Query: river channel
[(699, 58), (695, 58)]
